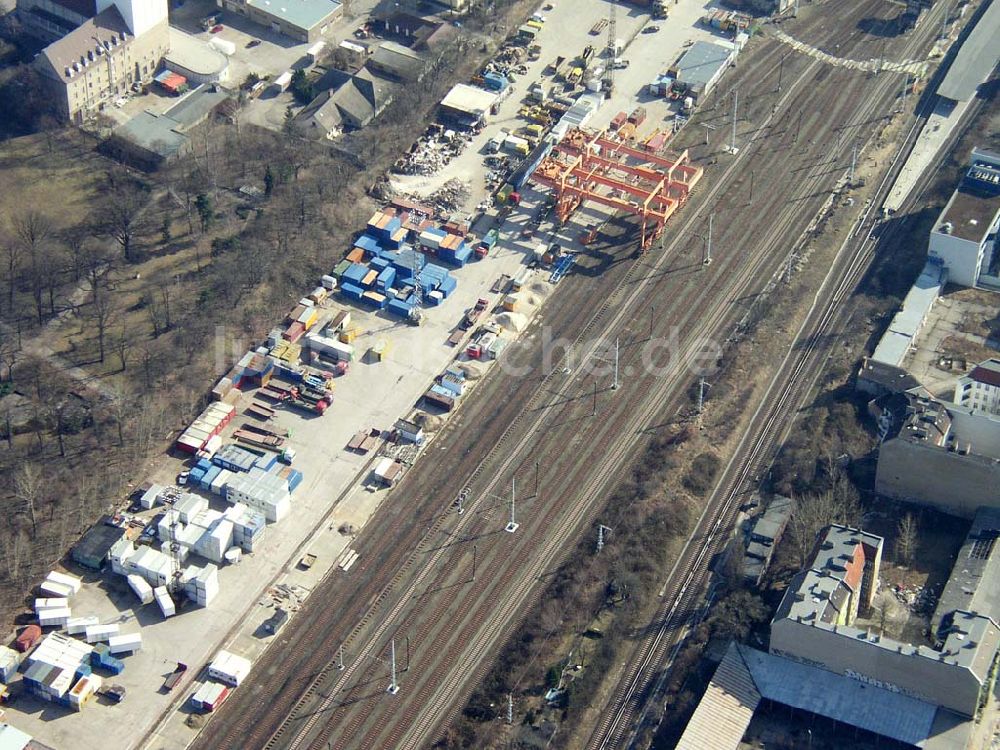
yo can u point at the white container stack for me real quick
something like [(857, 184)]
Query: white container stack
[(52, 588), (10, 660), (163, 600), (64, 579), (99, 633), (229, 668), (142, 589), (201, 584), (54, 618), (78, 625), (55, 603), (125, 643)]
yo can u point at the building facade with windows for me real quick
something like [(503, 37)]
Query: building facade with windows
[(302, 20), (980, 389), (106, 56)]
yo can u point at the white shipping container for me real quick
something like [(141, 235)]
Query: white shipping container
[(84, 689), (99, 633), (10, 660), (142, 589), (125, 643), (54, 603), (72, 581), (229, 668), (164, 601), (220, 482), (328, 282), (56, 589), (54, 617), (79, 625)]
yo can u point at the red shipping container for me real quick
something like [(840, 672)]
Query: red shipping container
[(28, 637), (294, 332), (618, 120)]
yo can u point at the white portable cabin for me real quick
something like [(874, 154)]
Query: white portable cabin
[(125, 643)]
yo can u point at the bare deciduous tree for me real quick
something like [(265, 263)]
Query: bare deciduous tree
[(102, 313), (27, 489), (121, 215), (906, 539)]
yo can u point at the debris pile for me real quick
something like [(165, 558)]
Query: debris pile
[(452, 195), (433, 151)]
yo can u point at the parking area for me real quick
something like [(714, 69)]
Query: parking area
[(565, 33)]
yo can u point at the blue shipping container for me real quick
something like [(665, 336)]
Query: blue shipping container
[(386, 278), (448, 285), (400, 308), (294, 480), (355, 273), (368, 243), (210, 476), (353, 291), (379, 264)]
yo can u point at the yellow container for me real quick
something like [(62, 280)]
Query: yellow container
[(348, 335), (510, 303)]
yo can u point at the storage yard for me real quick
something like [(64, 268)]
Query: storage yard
[(304, 443)]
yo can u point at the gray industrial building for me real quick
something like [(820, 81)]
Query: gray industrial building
[(763, 536), (938, 454), (304, 20), (701, 66), (814, 625)]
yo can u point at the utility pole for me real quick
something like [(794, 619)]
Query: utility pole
[(340, 657), (511, 527), (854, 161), (781, 68), (510, 696), (393, 685), (614, 386), (701, 396), (751, 187), (601, 528), (536, 478), (475, 554), (593, 411), (736, 103), (707, 258), (798, 128)]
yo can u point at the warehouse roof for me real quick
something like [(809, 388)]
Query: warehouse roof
[(304, 14), (701, 62), (725, 710), (398, 60), (94, 546), (840, 698), (469, 100), (975, 60)]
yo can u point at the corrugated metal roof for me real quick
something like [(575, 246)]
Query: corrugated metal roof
[(975, 60), (725, 711)]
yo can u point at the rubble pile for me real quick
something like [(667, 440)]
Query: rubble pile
[(432, 152), (452, 195)]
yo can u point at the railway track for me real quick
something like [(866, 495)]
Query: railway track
[(790, 388), (308, 709)]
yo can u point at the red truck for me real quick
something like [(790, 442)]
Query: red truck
[(174, 677)]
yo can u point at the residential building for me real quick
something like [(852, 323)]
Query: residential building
[(106, 56), (815, 625), (353, 102), (763, 536), (302, 20), (939, 454), (980, 389), (964, 237)]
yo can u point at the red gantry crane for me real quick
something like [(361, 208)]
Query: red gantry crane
[(596, 167)]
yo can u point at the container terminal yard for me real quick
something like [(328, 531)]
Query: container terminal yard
[(416, 595)]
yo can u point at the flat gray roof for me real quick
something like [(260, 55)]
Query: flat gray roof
[(972, 586), (158, 135), (975, 60), (304, 14), (701, 62)]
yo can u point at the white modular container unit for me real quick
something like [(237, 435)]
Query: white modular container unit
[(78, 625), (229, 668), (163, 600), (151, 496), (125, 643), (67, 580), (84, 690), (219, 483), (51, 618), (54, 603), (141, 588), (209, 696), (328, 282), (233, 555), (189, 506), (99, 633), (51, 588), (10, 660)]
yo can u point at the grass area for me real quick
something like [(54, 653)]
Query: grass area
[(58, 172)]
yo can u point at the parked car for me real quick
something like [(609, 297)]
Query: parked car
[(182, 478), (253, 43), (651, 29), (217, 28)]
